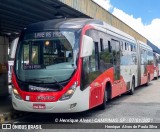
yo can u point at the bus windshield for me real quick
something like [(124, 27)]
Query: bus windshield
[(47, 56)]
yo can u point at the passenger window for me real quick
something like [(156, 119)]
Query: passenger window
[(134, 49), (101, 44), (92, 61), (121, 45), (125, 46), (116, 58), (109, 46), (131, 47)]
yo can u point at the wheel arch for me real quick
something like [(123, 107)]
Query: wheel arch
[(108, 88)]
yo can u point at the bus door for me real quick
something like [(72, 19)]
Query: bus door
[(143, 67), (158, 65), (90, 71), (115, 52), (139, 64), (96, 90)]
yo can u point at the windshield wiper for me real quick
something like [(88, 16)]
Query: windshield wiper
[(57, 82), (40, 80)]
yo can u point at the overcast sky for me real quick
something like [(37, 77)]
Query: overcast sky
[(142, 15)]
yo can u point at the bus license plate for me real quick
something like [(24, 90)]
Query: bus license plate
[(39, 106)]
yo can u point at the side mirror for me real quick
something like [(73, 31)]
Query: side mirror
[(87, 46), (13, 48)]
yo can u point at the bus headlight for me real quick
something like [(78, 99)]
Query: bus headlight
[(69, 93), (15, 92)]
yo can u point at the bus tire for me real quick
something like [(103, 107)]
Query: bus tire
[(157, 75), (103, 105), (148, 80), (131, 91)]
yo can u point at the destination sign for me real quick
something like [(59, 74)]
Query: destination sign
[(44, 35), (48, 34), (32, 67)]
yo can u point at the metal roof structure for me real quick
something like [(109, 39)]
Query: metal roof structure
[(155, 48), (17, 14)]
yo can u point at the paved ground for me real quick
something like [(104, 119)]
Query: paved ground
[(7, 112), (143, 106), (6, 105)]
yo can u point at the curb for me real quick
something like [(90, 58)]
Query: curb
[(6, 117)]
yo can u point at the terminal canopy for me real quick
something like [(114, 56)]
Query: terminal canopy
[(17, 14), (155, 48)]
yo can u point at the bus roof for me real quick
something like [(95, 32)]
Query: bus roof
[(62, 23), (112, 30), (144, 45), (74, 23)]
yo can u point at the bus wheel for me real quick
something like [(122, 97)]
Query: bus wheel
[(157, 75), (131, 91), (103, 105), (148, 81)]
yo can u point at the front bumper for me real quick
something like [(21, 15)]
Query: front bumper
[(80, 98)]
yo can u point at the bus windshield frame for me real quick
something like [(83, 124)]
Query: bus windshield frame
[(47, 57)]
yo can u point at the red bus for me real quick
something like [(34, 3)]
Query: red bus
[(72, 65), (156, 65), (146, 66)]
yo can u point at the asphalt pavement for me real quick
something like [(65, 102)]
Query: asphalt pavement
[(142, 107)]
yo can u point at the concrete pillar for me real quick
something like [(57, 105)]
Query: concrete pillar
[(4, 42)]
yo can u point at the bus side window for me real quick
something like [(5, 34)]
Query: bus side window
[(116, 58), (150, 57), (125, 46), (101, 44), (97, 56), (131, 47), (134, 48), (92, 61), (105, 56), (94, 58), (128, 46), (142, 58), (121, 45), (109, 47)]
